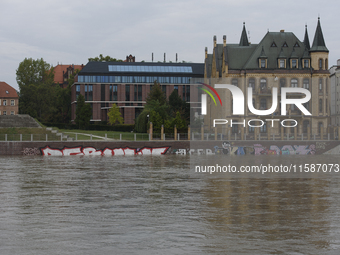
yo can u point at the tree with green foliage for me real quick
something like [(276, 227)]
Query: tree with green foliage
[(83, 113), (37, 89), (114, 115), (156, 107), (101, 58), (156, 94)]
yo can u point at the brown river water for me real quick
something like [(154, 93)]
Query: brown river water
[(160, 205)]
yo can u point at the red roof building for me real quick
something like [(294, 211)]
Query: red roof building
[(63, 72), (9, 100)]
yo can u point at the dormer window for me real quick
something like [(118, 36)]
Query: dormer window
[(273, 44), (282, 63), (296, 44), (306, 63), (294, 63), (285, 45), (263, 63), (7, 92)]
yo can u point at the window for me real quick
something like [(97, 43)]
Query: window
[(320, 126), (90, 93), (306, 63), (293, 83), (12, 112), (320, 85), (234, 82), (320, 63), (4, 103), (127, 92), (140, 89), (252, 83), (282, 63), (263, 129), (294, 63), (305, 126), (4, 112), (320, 105), (113, 93), (12, 102), (263, 104), (263, 63), (306, 83), (77, 91), (234, 128), (282, 82), (263, 83)]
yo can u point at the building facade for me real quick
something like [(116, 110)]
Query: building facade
[(127, 85), (279, 60), (9, 100), (335, 94)]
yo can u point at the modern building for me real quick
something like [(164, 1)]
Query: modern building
[(279, 60), (63, 72), (9, 100), (127, 85), (335, 94)]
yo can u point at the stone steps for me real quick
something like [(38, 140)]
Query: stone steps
[(18, 121)]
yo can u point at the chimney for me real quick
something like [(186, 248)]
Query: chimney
[(164, 58), (224, 40), (282, 31), (176, 57), (152, 56)]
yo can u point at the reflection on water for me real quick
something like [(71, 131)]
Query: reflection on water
[(159, 205)]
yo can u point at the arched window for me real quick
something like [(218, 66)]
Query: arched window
[(263, 83), (320, 63), (234, 82), (251, 83), (326, 64), (294, 83)]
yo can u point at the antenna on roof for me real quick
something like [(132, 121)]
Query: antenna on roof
[(164, 57), (152, 56), (176, 57)]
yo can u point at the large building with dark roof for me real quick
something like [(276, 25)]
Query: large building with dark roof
[(279, 60), (127, 85)]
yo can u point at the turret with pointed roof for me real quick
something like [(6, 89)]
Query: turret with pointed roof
[(306, 39), (319, 42), (244, 38)]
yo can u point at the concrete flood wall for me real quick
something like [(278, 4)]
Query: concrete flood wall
[(170, 147)]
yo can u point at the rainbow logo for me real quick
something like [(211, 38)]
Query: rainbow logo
[(209, 93)]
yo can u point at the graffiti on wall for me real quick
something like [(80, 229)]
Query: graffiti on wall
[(31, 151), (88, 151), (256, 149)]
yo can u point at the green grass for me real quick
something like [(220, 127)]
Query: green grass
[(25, 134)]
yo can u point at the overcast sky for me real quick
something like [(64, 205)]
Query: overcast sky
[(69, 32)]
